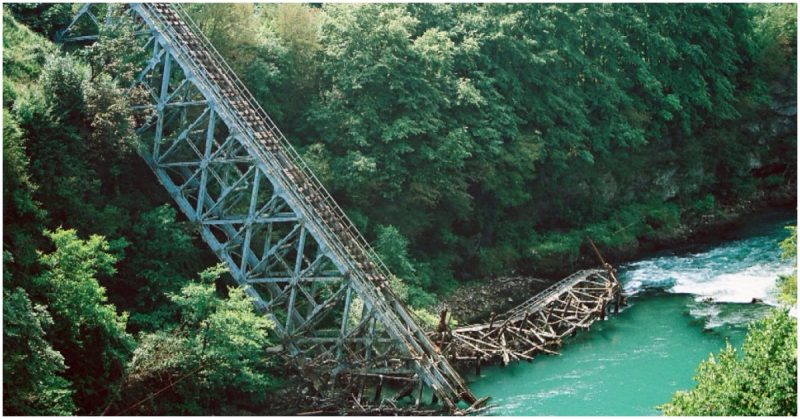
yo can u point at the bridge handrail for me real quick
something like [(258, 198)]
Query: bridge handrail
[(540, 299), (553, 290)]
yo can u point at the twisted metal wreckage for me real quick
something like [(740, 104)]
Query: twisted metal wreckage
[(290, 246)]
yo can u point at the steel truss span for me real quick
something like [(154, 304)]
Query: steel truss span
[(266, 216)]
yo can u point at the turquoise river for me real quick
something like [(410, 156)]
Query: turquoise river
[(684, 305)]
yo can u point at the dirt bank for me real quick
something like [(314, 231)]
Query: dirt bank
[(474, 302)]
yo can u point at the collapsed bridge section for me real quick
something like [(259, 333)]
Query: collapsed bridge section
[(537, 326)]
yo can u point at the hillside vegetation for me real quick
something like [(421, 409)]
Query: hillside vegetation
[(466, 141), (497, 137)]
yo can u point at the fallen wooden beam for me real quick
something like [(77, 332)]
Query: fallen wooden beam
[(536, 325)]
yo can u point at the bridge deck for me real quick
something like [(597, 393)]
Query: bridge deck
[(537, 302)]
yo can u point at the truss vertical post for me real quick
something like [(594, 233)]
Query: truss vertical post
[(162, 102)]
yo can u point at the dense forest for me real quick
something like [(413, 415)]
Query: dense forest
[(465, 141)]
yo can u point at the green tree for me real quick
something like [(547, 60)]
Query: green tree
[(32, 381), (117, 52), (788, 284), (87, 331), (254, 51), (42, 17), (219, 348), (22, 213), (393, 249), (158, 262), (760, 382)]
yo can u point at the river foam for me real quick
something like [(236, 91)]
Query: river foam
[(736, 272)]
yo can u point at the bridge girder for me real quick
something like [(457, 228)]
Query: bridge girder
[(262, 212)]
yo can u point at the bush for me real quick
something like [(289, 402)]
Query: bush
[(762, 382)]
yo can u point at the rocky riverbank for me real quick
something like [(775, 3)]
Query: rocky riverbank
[(713, 227)]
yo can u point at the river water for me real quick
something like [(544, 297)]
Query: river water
[(635, 361)]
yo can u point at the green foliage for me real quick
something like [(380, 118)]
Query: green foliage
[(52, 120), (789, 245), (621, 232), (41, 17), (87, 331), (117, 53), (760, 382), (112, 139), (218, 348), (32, 385), (24, 51), (788, 288), (393, 249), (484, 132), (22, 214), (68, 162), (62, 85), (788, 284), (250, 47), (19, 185), (157, 265), (426, 319), (292, 30), (440, 120), (775, 37), (705, 205)]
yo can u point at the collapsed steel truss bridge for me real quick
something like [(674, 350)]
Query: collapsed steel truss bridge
[(283, 238), (261, 210)]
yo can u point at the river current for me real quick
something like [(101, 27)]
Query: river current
[(683, 305)]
